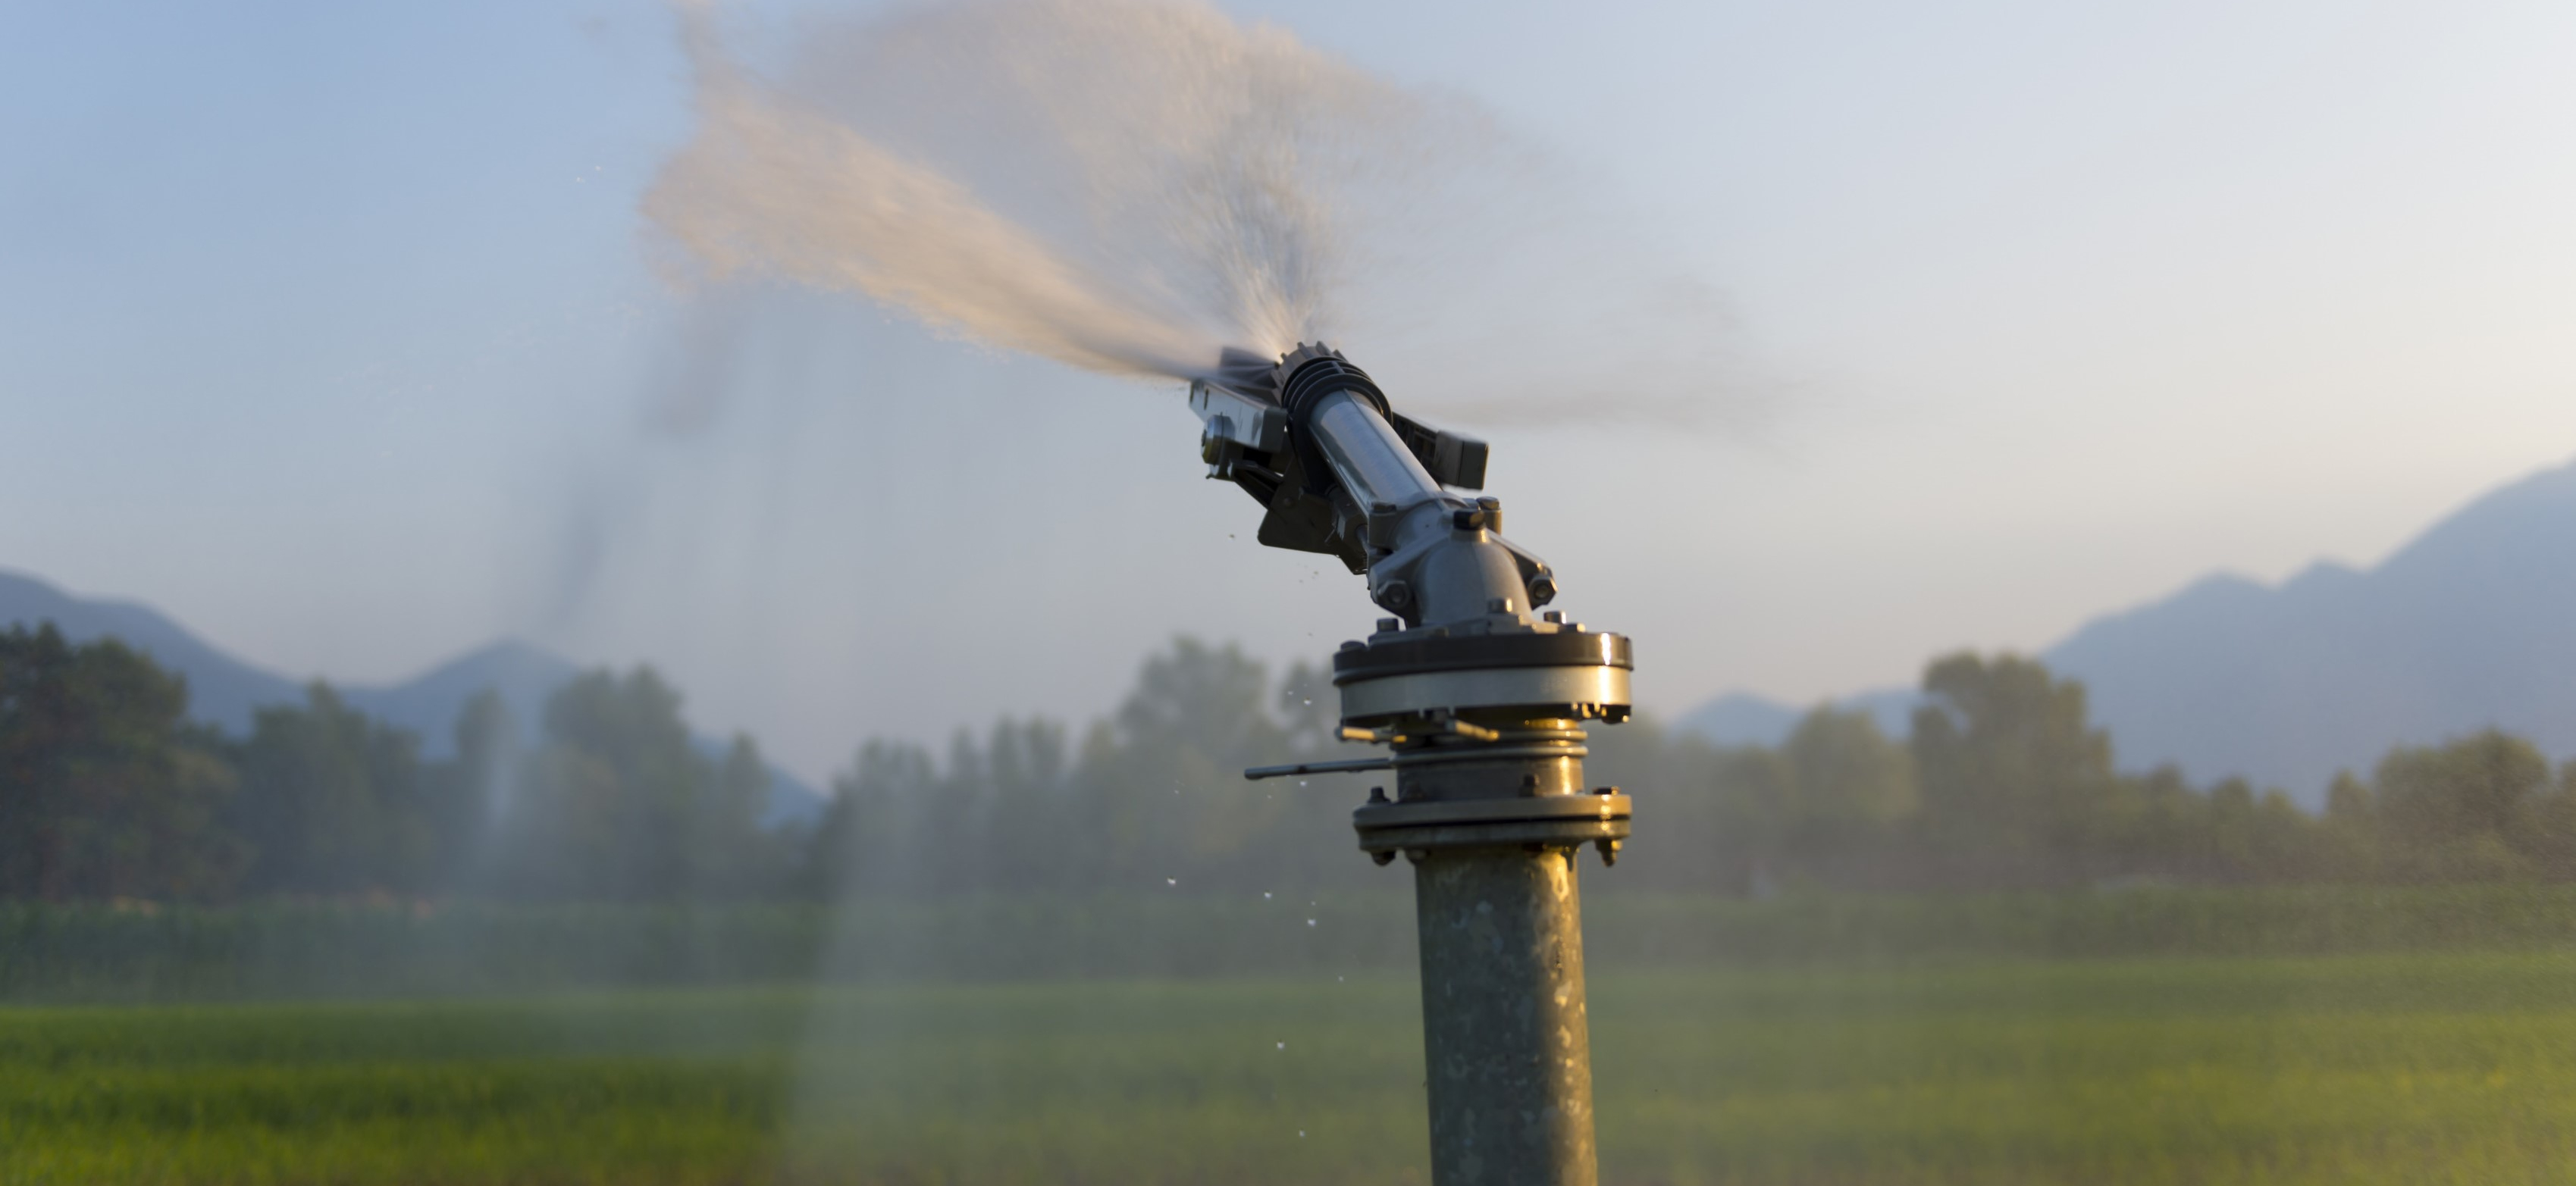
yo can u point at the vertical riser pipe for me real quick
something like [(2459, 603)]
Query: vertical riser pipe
[(1506, 1045)]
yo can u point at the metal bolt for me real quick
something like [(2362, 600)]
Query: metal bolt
[(1383, 857), (1542, 589), (1555, 615), (1377, 794), (1498, 605), (1389, 625), (1609, 850), (1395, 595)]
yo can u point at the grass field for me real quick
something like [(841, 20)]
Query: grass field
[(2441, 1067), (56, 953)]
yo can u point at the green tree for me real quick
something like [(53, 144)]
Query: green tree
[(2232, 812), (1029, 809), (470, 791), (2011, 768), (1167, 779), (2550, 830), (105, 791), (1848, 776), (2347, 838), (2462, 811), (1751, 793), (333, 802), (618, 805), (1705, 818), (1152, 797), (876, 835)]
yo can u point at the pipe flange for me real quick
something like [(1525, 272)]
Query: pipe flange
[(1563, 821), (1418, 812), (1548, 645), (1565, 834), (1579, 674)]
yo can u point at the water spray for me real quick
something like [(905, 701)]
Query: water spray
[(1228, 179), (1480, 699)]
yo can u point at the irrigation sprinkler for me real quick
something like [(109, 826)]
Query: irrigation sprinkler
[(1480, 699)]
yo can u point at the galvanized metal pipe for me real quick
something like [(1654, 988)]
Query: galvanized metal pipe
[(1505, 1041)]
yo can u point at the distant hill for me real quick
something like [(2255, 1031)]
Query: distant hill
[(428, 703), (224, 690), (2471, 625)]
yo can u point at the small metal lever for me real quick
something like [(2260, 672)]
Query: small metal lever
[(1343, 766)]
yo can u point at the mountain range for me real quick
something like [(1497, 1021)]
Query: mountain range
[(226, 691), (2470, 625)]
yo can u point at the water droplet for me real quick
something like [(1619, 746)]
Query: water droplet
[(1283, 1045), (1310, 922), (1171, 881), (1265, 895)]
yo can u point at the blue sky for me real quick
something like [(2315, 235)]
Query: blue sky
[(331, 329)]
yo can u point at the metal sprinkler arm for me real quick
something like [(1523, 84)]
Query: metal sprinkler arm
[(1314, 440), (1482, 707)]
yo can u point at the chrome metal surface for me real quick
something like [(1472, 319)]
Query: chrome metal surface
[(1504, 687), (1367, 456), (1243, 419)]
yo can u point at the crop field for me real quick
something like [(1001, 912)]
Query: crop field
[(2413, 1068)]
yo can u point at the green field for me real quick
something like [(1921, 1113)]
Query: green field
[(2439, 1067)]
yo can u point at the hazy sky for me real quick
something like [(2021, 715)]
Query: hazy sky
[(331, 330)]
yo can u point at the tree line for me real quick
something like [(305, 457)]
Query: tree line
[(2004, 782), (108, 791)]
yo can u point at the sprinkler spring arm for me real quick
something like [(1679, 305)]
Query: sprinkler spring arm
[(1313, 439)]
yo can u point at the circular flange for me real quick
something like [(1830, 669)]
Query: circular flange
[(1548, 689), (1502, 834), (1550, 669), (1466, 652), (1556, 821), (1485, 811)]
